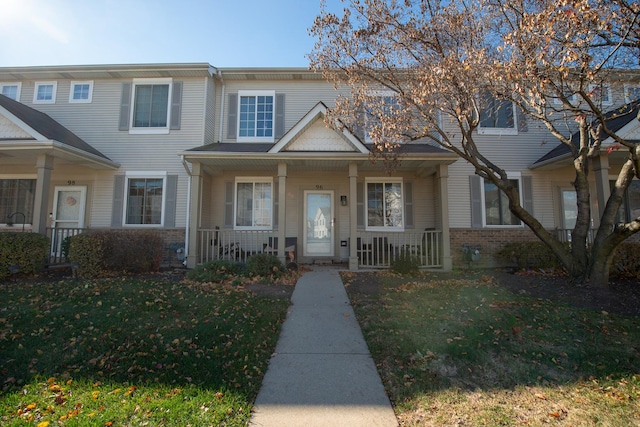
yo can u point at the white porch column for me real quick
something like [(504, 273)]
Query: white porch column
[(442, 177), (282, 213), (601, 173), (353, 216), (194, 214), (44, 166)]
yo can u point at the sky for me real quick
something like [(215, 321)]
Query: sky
[(223, 33)]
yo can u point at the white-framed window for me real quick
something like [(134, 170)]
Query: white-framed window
[(45, 92), (381, 104), (150, 101), (569, 94), (81, 92), (256, 116), (384, 204), (631, 93), (601, 94), (11, 90), (495, 210), (253, 207), (17, 198), (144, 198), (497, 116)]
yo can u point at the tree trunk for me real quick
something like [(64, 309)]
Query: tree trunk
[(600, 266)]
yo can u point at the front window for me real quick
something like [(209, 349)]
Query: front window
[(17, 195), (11, 90), (384, 205), (631, 93), (600, 94), (254, 204), (45, 93), (144, 201), (81, 92), (498, 116), (151, 98), (256, 116), (496, 204)]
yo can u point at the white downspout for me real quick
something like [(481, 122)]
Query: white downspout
[(188, 221)]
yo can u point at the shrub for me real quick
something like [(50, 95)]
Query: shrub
[(27, 251), (215, 271), (626, 262), (405, 263), (265, 265), (111, 251), (529, 255)]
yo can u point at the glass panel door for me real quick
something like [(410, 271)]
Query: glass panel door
[(318, 223), (68, 215)]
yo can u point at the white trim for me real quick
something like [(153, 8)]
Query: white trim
[(18, 90), (510, 175), (147, 175), (133, 130), (36, 86), (83, 200), (255, 94), (383, 180), (254, 180), (72, 100), (486, 130)]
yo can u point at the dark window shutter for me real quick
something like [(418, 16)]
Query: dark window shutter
[(408, 205), (176, 106), (232, 116), (170, 199), (475, 183), (527, 194), (276, 204), (125, 107), (279, 125), (118, 200), (228, 204), (360, 204)]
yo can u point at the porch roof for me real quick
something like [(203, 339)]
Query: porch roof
[(35, 133), (618, 120)]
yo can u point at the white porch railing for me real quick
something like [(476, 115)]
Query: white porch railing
[(232, 244), (59, 247), (564, 235), (375, 249)]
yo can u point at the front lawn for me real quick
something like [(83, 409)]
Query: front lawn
[(467, 352), (132, 352)]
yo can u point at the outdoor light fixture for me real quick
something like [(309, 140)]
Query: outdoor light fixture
[(343, 200)]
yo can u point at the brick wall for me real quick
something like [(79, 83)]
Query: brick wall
[(173, 239), (489, 242)]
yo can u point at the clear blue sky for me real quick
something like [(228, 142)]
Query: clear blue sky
[(224, 33)]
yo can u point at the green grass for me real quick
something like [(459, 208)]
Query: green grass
[(132, 352), (467, 352)]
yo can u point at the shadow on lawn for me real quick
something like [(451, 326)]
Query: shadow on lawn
[(136, 331)]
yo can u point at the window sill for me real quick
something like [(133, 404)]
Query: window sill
[(497, 131), (148, 131)]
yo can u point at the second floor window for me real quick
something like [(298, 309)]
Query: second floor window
[(45, 93), (382, 105), (497, 116), (81, 92), (11, 90), (256, 116), (150, 106)]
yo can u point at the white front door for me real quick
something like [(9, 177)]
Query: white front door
[(67, 216), (318, 223)]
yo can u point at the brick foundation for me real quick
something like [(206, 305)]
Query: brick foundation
[(488, 241), (173, 239)]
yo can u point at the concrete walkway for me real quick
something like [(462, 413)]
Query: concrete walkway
[(321, 373)]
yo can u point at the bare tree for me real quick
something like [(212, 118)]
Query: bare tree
[(452, 61)]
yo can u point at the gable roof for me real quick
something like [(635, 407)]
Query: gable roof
[(616, 119), (41, 127)]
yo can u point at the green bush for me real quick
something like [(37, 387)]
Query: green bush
[(265, 265), (27, 251), (101, 252), (405, 263), (215, 271), (626, 262), (533, 254)]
